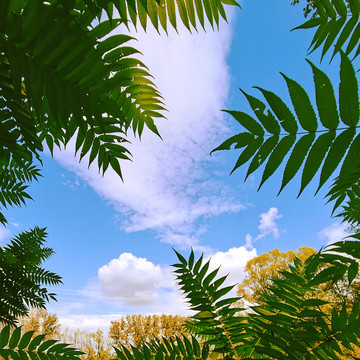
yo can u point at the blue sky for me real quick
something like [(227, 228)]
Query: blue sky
[(113, 240)]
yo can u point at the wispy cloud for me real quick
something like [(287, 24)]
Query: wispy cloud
[(172, 185), (88, 322), (267, 226), (333, 233)]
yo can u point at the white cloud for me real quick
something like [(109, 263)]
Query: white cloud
[(267, 226), (170, 187), (232, 263), (131, 280), (135, 285), (89, 322), (129, 285), (333, 233)]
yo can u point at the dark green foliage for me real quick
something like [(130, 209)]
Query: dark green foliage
[(214, 318), (70, 81), (64, 75), (293, 322), (22, 277), (14, 180), (15, 345), (324, 149), (166, 349), (337, 26)]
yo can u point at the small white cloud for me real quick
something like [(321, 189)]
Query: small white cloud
[(333, 233), (249, 242), (267, 226)]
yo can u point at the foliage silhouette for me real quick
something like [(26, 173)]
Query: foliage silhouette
[(15, 345), (22, 277), (322, 140), (64, 76), (291, 323), (53, 89)]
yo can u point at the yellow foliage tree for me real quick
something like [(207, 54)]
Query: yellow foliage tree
[(41, 322), (136, 329), (260, 270)]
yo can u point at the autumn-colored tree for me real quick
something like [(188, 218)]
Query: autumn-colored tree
[(41, 322), (260, 270), (136, 329), (95, 345)]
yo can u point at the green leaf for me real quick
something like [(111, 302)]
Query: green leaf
[(4, 336), (345, 34), (329, 8), (315, 158), (302, 105), (35, 342), (263, 153), (191, 259), (170, 5), (46, 344), (181, 258), (296, 158), (15, 337), (241, 140), (348, 93), (333, 33), (277, 157), (314, 22), (354, 7), (248, 152), (113, 42), (210, 277), (325, 99), (267, 120), (282, 112), (183, 13), (353, 271), (200, 12), (25, 340), (191, 12), (336, 153), (340, 7), (321, 34), (247, 122), (354, 40), (198, 265)]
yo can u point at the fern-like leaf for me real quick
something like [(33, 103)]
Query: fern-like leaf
[(337, 26), (22, 277), (17, 345), (315, 149)]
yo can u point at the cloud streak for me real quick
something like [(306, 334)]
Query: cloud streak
[(333, 233), (171, 186)]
